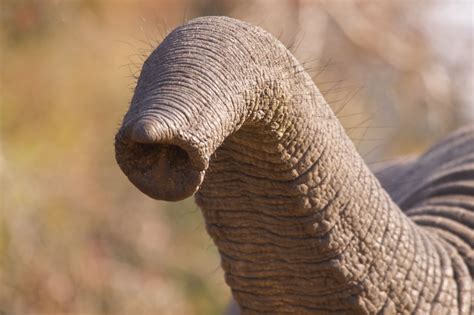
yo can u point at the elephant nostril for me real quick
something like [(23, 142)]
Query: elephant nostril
[(178, 157), (161, 156)]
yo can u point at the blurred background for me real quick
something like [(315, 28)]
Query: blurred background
[(77, 238)]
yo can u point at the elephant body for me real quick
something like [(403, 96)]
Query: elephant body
[(436, 190), (303, 226)]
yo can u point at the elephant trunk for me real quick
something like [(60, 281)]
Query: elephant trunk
[(301, 224), (179, 114)]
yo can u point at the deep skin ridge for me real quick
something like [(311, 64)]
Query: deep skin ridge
[(301, 224)]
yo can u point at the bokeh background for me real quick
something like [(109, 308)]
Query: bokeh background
[(77, 238)]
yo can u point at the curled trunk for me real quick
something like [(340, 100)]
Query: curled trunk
[(221, 108)]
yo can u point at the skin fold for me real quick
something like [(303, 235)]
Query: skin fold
[(224, 111)]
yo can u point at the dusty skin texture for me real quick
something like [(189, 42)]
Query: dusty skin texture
[(302, 225)]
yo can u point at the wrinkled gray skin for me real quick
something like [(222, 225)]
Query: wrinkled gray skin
[(223, 110)]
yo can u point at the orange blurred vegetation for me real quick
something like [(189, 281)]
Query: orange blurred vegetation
[(77, 238)]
